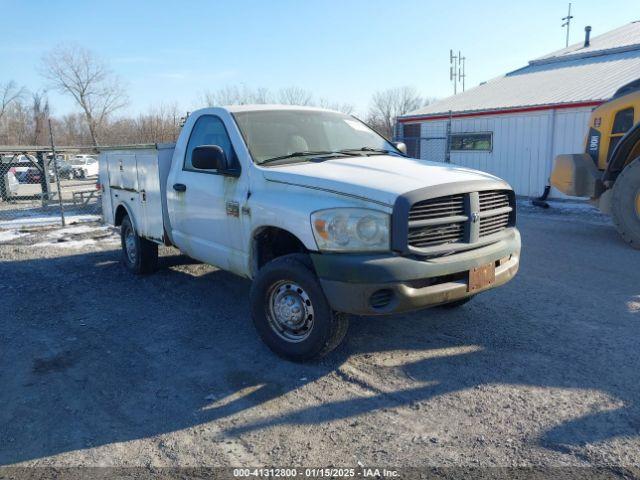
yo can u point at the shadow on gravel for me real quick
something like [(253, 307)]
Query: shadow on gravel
[(92, 356)]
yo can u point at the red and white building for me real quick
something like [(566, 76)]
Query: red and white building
[(513, 126)]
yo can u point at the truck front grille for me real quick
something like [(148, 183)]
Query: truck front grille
[(421, 237), (493, 224), (493, 199), (458, 220), (437, 208)]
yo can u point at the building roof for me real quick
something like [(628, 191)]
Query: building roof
[(619, 39), (573, 76)]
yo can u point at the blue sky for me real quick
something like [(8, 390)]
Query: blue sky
[(342, 50)]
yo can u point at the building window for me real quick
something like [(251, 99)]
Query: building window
[(471, 142)]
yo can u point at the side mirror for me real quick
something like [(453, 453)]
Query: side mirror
[(401, 146), (209, 157)]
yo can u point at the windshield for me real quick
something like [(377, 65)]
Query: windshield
[(275, 134)]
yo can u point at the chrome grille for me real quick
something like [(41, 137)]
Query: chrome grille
[(494, 224), (493, 199), (458, 219), (436, 235), (437, 208), (433, 222)]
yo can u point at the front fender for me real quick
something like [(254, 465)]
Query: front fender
[(289, 207)]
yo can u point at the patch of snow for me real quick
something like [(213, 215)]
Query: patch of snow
[(8, 235), (77, 230), (560, 210), (70, 244), (53, 219)]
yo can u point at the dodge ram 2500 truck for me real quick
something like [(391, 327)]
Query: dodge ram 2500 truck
[(325, 216)]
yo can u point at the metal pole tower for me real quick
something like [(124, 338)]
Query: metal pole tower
[(453, 70), (462, 74), (567, 23)]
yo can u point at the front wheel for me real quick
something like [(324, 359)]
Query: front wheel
[(139, 255), (625, 204), (290, 310)]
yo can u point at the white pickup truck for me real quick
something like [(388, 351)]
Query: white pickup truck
[(323, 214)]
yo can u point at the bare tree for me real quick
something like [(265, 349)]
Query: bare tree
[(387, 105), (10, 93), (40, 114), (236, 95), (15, 125), (79, 73), (340, 107), (71, 129), (295, 96)]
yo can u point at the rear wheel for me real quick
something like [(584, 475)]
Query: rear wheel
[(625, 205), (139, 255), (290, 310)]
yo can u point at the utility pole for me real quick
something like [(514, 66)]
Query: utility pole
[(453, 70), (461, 72), (457, 73), (567, 23)]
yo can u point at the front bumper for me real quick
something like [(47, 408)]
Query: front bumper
[(362, 284)]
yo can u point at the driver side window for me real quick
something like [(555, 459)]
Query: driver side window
[(209, 130)]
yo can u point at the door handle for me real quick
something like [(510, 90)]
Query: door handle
[(179, 187)]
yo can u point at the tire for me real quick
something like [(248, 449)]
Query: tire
[(139, 255), (457, 303), (625, 204), (289, 283)]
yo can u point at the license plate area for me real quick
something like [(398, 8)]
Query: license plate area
[(482, 277)]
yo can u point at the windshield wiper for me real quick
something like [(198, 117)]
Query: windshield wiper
[(381, 151), (307, 153)]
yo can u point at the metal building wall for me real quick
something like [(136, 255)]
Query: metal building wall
[(524, 144)]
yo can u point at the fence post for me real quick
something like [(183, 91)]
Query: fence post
[(447, 152), (44, 178), (4, 179), (58, 179)]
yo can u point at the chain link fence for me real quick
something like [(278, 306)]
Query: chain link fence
[(427, 141), (38, 189)]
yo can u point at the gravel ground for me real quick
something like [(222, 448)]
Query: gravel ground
[(102, 368)]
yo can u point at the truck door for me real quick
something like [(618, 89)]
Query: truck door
[(205, 205)]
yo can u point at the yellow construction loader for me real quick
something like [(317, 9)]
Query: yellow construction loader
[(609, 170)]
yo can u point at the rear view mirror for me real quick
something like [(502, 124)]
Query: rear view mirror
[(401, 146), (209, 157)]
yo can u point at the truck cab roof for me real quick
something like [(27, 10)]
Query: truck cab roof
[(269, 107)]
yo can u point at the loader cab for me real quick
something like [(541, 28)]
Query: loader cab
[(611, 121)]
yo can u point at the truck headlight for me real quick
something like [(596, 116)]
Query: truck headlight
[(351, 229)]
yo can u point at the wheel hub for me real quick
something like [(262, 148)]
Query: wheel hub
[(290, 311), (130, 245)]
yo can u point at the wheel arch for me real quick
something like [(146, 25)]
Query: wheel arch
[(269, 242), (121, 211)]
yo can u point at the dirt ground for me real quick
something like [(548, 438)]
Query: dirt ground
[(103, 368)]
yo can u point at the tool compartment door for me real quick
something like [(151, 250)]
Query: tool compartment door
[(148, 181)]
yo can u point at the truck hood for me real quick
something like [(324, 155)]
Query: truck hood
[(379, 178)]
